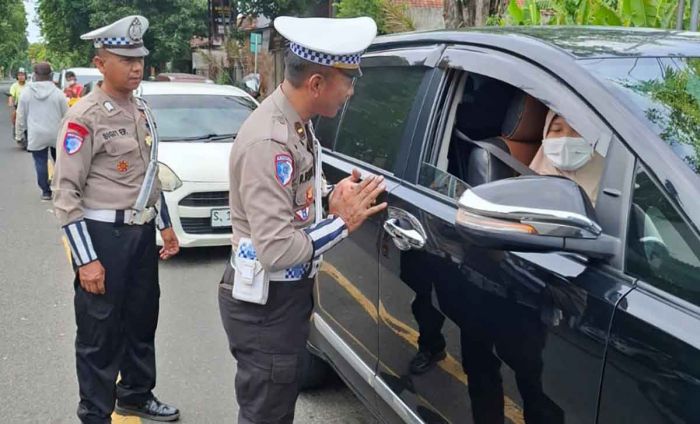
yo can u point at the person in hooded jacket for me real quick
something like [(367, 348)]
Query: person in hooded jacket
[(565, 153), (40, 111)]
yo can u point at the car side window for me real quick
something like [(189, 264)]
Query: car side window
[(325, 129), (662, 249), (376, 115), (492, 130)]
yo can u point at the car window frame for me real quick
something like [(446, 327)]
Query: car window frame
[(427, 56), (482, 61), (615, 185), (641, 282)]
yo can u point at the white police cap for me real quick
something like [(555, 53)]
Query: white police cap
[(123, 37), (338, 43)]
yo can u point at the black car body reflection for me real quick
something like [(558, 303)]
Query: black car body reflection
[(516, 333)]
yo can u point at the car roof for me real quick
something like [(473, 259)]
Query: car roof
[(84, 71), (179, 88), (581, 42)]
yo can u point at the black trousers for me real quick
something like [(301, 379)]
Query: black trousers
[(267, 342), (116, 330), (420, 272), (495, 330)]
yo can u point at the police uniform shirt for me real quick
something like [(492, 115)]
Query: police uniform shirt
[(272, 188), (103, 150)]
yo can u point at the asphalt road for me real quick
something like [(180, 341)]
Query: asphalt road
[(37, 327)]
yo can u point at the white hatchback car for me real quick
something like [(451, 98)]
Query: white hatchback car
[(197, 123)]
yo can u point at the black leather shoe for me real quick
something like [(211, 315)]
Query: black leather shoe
[(424, 361), (152, 409)]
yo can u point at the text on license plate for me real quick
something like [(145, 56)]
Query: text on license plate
[(221, 218)]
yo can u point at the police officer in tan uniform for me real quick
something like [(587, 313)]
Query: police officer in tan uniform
[(279, 233), (108, 201)]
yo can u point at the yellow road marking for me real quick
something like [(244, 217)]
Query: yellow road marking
[(381, 363), (121, 419), (50, 164), (66, 248), (450, 365), (366, 304)]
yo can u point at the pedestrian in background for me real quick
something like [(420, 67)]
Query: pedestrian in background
[(73, 90), (39, 113), (15, 92)]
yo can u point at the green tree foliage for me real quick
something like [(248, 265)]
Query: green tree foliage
[(390, 16), (172, 23), (629, 13), (13, 43), (372, 8), (677, 107), (37, 52), (273, 8)]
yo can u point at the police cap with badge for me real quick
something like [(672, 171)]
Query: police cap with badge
[(337, 43), (123, 37)]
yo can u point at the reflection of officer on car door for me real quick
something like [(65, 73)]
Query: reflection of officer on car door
[(279, 233), (107, 197)]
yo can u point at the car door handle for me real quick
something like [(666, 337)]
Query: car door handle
[(403, 238)]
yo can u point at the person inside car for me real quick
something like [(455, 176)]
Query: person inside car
[(564, 152)]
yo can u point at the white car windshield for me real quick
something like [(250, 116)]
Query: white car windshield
[(199, 118)]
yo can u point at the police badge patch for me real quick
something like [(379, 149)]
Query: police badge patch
[(74, 138), (136, 30), (284, 167)]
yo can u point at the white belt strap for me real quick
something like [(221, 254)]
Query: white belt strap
[(131, 216)]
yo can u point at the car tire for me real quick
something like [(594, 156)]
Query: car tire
[(315, 371)]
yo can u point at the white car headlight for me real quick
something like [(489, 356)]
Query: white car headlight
[(168, 180)]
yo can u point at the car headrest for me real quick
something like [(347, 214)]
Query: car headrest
[(524, 119)]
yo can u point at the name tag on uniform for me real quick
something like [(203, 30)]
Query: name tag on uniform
[(251, 283)]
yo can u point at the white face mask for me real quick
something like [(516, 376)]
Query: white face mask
[(568, 153)]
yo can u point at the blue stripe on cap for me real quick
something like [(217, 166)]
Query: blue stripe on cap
[(114, 41), (324, 58)]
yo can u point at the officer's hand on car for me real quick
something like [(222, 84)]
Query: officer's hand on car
[(92, 277), (171, 246), (347, 183), (354, 204)]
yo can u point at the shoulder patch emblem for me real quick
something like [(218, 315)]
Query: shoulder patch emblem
[(302, 214), (74, 138), (284, 168)]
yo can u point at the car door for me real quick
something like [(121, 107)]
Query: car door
[(652, 370), (373, 134), (524, 333)]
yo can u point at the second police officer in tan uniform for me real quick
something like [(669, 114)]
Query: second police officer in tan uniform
[(279, 235), (108, 200)]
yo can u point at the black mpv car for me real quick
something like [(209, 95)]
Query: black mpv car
[(488, 297)]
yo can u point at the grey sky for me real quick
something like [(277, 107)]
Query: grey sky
[(33, 32)]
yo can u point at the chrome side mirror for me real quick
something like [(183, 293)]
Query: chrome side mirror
[(531, 214)]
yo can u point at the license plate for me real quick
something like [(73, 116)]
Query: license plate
[(220, 218)]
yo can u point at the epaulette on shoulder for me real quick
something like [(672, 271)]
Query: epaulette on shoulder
[(279, 130)]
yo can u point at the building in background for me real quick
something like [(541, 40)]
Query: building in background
[(226, 55), (425, 14)]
